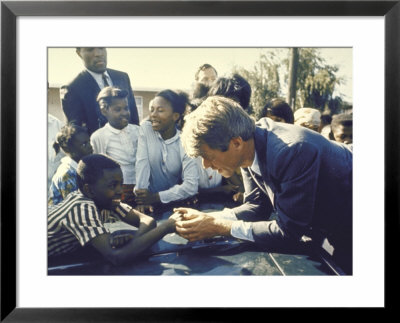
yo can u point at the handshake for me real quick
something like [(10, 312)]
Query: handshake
[(194, 225)]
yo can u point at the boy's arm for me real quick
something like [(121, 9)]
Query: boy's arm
[(142, 221), (134, 247)]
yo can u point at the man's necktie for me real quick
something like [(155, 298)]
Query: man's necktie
[(105, 81)]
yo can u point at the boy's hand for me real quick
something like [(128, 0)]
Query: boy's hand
[(192, 201), (196, 225), (177, 216), (143, 196)]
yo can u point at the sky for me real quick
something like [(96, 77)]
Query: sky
[(174, 68)]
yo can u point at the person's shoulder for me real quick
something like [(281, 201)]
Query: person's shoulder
[(99, 133), (146, 125), (117, 72), (82, 76), (134, 128)]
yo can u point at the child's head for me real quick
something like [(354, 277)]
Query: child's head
[(167, 109), (342, 128), (235, 87), (113, 103), (308, 117), (74, 141), (278, 110), (100, 178)]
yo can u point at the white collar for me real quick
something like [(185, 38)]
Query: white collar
[(99, 76), (115, 130)]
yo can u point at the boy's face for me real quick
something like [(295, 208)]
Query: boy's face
[(107, 191), (117, 113), (343, 134), (80, 146)]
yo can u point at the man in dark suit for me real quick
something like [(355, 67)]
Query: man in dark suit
[(290, 171), (78, 98)]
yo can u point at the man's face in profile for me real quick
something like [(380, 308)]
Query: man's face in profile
[(94, 58), (207, 76)]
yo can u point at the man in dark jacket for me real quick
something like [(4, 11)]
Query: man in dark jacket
[(78, 98), (302, 177)]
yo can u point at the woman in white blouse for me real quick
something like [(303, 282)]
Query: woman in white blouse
[(164, 173)]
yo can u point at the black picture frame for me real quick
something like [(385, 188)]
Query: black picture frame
[(10, 10)]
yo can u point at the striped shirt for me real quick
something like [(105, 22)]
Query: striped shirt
[(76, 221)]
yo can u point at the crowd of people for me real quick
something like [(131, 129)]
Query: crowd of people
[(193, 147)]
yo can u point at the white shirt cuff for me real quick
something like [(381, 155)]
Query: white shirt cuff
[(226, 214), (242, 230)]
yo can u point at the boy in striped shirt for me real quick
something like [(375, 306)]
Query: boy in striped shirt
[(78, 221)]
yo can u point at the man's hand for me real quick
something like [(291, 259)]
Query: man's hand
[(238, 197), (229, 188), (145, 197), (146, 209), (196, 225)]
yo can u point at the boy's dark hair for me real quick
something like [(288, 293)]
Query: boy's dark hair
[(66, 135), (202, 68), (235, 87), (279, 108), (91, 167), (178, 100), (326, 119), (108, 93), (344, 119)]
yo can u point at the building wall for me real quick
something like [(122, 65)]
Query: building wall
[(142, 97), (146, 96), (54, 103)]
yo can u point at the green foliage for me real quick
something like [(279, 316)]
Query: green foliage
[(263, 79), (316, 81)]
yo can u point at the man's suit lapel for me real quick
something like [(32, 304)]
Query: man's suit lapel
[(260, 142), (93, 90), (90, 82), (116, 79)]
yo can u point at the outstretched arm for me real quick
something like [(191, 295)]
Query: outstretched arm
[(136, 246)]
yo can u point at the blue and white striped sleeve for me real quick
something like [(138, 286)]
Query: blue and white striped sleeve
[(84, 223)]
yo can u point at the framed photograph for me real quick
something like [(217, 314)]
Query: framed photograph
[(29, 29)]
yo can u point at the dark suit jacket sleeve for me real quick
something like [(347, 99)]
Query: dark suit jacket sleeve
[(72, 105), (297, 171), (257, 206)]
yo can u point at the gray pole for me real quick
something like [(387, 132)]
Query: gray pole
[(293, 64)]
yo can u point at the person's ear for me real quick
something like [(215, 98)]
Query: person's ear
[(237, 143), (103, 111), (176, 116), (87, 190), (78, 51), (66, 149)]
